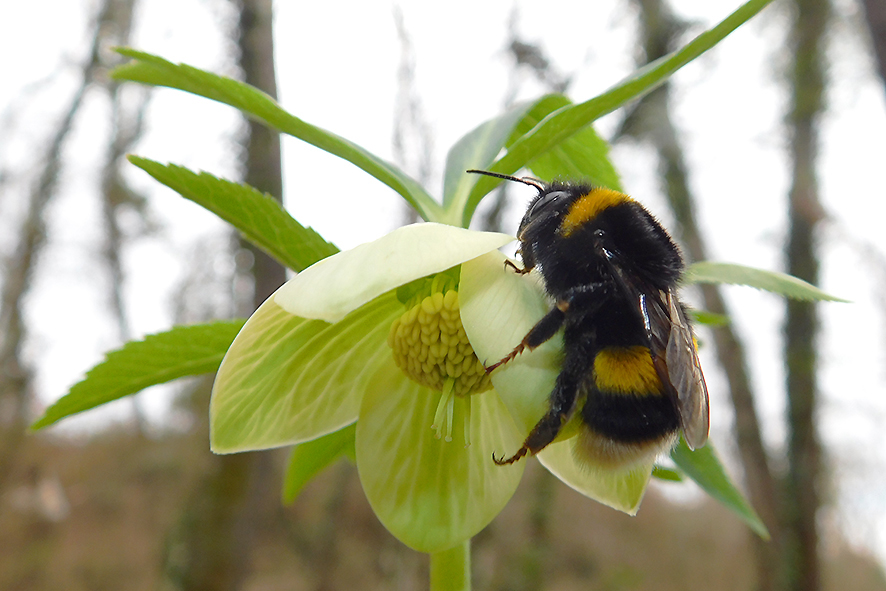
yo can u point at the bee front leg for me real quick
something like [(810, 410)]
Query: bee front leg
[(586, 296), (518, 270), (528, 258)]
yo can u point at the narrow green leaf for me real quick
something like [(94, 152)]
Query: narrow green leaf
[(308, 459), (260, 218), (709, 318), (565, 122), (477, 149), (705, 469), (667, 474), (779, 283), (154, 70), (582, 156), (159, 358)]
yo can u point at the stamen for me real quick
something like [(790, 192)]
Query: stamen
[(467, 421), (450, 413), (430, 345), (443, 416)]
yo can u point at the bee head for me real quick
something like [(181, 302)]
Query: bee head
[(577, 225), (544, 208)]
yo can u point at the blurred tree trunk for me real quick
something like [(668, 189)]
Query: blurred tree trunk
[(875, 11), (801, 324), (263, 165), (240, 496), (116, 195), (412, 140), (15, 375), (652, 120)]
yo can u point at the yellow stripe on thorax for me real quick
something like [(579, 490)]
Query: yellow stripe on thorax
[(626, 370), (588, 206)]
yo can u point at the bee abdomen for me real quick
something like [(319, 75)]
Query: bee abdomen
[(630, 418), (626, 370), (627, 416)]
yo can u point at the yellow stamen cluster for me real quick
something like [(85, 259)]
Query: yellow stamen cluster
[(430, 346)]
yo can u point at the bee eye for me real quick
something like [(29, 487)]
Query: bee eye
[(599, 234), (546, 200)]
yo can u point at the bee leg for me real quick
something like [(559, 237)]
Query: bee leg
[(587, 297), (543, 330), (562, 406), (528, 261), (518, 270)]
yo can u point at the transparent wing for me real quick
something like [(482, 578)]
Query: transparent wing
[(672, 346), (686, 376)]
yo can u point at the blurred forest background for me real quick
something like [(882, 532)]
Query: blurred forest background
[(139, 502)]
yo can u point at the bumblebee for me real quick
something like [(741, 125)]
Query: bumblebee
[(630, 364)]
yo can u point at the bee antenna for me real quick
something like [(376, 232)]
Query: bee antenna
[(517, 179)]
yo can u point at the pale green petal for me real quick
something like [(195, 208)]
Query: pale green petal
[(498, 307), (345, 281), (622, 490), (286, 379), (432, 494)]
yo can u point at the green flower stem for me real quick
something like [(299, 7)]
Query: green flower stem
[(451, 569)]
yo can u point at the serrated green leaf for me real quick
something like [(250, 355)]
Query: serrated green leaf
[(772, 281), (159, 358), (705, 469), (154, 70), (568, 120), (260, 218), (308, 459)]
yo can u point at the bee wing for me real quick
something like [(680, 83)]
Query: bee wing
[(674, 355), (684, 371)]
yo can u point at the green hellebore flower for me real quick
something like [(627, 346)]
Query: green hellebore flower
[(317, 356)]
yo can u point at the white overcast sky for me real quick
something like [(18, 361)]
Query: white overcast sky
[(337, 68)]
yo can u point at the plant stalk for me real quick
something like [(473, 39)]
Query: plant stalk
[(451, 569)]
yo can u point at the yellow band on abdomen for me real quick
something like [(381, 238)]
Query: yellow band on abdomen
[(626, 370)]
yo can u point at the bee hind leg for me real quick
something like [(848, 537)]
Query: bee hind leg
[(544, 432), (562, 405)]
